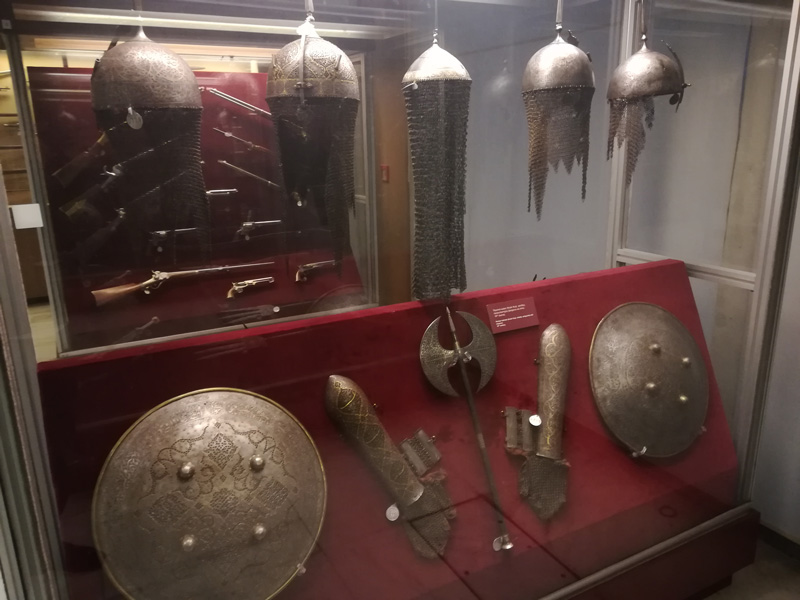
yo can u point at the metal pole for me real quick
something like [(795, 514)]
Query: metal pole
[(504, 541)]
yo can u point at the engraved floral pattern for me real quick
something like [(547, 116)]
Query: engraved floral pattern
[(144, 511)]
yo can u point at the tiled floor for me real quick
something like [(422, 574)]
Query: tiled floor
[(774, 576)]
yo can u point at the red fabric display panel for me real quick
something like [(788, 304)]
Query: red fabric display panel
[(616, 505), (61, 98)]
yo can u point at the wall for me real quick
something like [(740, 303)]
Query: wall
[(387, 68)]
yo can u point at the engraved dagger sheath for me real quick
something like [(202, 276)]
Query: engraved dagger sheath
[(554, 359), (422, 507), (543, 477)]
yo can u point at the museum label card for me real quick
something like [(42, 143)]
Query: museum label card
[(513, 314)]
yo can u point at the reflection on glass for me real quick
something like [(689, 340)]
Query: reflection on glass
[(108, 193), (698, 191), (724, 314)]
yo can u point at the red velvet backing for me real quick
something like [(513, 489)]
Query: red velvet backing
[(61, 100), (616, 505)]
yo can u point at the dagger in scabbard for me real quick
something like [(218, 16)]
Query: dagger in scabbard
[(543, 478), (421, 504)]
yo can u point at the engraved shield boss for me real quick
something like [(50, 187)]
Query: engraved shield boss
[(437, 360), (215, 494), (649, 379)]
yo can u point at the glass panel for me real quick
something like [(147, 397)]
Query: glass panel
[(724, 312), (504, 243), (102, 246), (698, 190), (206, 490), (18, 192)]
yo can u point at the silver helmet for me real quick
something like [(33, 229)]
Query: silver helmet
[(144, 75), (314, 97), (634, 84), (557, 88), (148, 104)]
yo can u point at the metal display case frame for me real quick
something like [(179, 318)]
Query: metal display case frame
[(29, 555)]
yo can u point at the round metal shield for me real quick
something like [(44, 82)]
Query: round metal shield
[(649, 379), (216, 494)]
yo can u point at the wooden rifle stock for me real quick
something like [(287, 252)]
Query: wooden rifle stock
[(118, 292), (112, 294)]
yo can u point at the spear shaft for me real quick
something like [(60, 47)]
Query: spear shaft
[(503, 542)]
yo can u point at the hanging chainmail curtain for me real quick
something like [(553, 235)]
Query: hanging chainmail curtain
[(557, 88), (627, 124), (314, 98), (436, 89), (147, 101), (631, 90)]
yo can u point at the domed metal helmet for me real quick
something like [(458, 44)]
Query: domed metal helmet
[(557, 88), (436, 64), (141, 74), (436, 88), (312, 68), (633, 86), (147, 101), (313, 95)]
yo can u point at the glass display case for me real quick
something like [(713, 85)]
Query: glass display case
[(458, 299)]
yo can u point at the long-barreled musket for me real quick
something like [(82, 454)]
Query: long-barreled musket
[(304, 270), (70, 171), (118, 292), (240, 286), (247, 143), (218, 193), (249, 174), (82, 208), (249, 226), (157, 238), (90, 246), (239, 102), (138, 333)]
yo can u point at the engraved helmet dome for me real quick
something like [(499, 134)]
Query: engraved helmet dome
[(142, 74), (436, 64), (560, 64), (325, 70), (645, 74)]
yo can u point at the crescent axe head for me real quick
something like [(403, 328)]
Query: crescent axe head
[(437, 360)]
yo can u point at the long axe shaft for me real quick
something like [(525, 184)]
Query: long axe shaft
[(504, 541)]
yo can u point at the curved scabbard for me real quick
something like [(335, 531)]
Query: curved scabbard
[(554, 359), (349, 407)]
